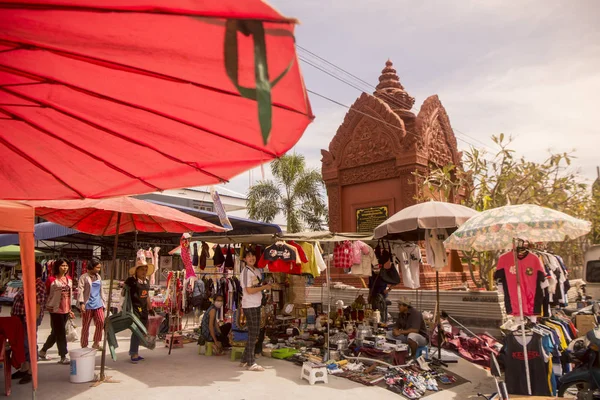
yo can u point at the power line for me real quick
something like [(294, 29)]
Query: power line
[(371, 86), (370, 116)]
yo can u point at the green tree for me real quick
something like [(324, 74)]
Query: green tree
[(295, 192), (503, 179)]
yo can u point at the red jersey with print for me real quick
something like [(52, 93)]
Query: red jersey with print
[(279, 258), (533, 282)]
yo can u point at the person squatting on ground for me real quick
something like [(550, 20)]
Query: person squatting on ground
[(18, 310), (92, 304), (60, 294), (139, 293), (211, 331), (251, 305), (410, 327)]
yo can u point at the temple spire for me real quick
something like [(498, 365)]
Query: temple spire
[(391, 90)]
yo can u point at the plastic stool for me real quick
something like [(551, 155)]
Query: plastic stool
[(421, 350), (314, 373), (209, 348), (235, 351)]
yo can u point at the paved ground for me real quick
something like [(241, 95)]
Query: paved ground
[(186, 375)]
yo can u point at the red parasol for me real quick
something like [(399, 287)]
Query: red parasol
[(114, 216), (102, 98), (99, 217)]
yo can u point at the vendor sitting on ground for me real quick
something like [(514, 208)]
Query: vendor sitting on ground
[(210, 329), (410, 327)]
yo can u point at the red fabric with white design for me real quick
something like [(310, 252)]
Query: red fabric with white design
[(342, 255)]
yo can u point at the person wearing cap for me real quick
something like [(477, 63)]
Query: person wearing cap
[(410, 327), (139, 289)]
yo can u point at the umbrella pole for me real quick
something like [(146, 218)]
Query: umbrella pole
[(439, 314), (519, 296), (103, 377)]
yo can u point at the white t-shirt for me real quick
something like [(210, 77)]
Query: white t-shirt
[(409, 256), (434, 248), (250, 278)]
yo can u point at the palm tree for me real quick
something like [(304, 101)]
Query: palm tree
[(295, 192)]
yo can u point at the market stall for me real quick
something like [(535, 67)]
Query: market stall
[(528, 283)]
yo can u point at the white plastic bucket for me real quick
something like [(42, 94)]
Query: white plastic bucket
[(83, 365)]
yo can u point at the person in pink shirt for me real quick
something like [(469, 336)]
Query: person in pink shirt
[(60, 294)]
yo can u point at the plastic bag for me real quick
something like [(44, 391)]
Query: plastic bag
[(72, 335)]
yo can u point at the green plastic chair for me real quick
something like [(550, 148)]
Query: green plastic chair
[(125, 319)]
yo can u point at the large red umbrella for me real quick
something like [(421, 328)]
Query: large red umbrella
[(114, 216), (103, 98)]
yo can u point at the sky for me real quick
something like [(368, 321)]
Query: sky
[(527, 68)]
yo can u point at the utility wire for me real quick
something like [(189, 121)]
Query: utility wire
[(322, 69)]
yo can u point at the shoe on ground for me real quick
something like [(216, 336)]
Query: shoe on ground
[(18, 375), (243, 365), (256, 368), (64, 361), (42, 356), (26, 379)]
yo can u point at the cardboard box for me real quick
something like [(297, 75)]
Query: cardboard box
[(585, 323)]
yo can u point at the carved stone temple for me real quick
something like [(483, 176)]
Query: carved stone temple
[(368, 168)]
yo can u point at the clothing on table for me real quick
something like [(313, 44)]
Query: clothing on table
[(434, 248), (533, 281), (409, 258), (253, 322), (412, 319), (251, 277), (539, 368), (97, 315), (58, 334), (342, 255), (138, 293)]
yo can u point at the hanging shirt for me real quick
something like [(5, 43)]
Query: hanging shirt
[(409, 257), (321, 264), (533, 280), (279, 257), (516, 381), (342, 255), (310, 266), (434, 248), (365, 268)]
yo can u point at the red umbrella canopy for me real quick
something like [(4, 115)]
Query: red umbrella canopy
[(102, 98), (99, 217)]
